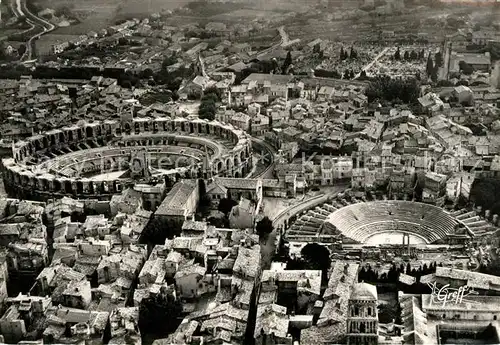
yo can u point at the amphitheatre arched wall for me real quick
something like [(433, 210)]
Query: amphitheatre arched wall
[(24, 175)]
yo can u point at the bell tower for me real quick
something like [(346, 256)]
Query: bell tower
[(362, 318)]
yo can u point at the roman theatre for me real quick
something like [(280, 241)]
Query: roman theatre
[(96, 160), (379, 222)]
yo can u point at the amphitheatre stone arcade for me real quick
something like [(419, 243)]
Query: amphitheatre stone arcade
[(380, 222), (98, 159)]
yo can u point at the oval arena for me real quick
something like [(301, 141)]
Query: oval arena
[(96, 160), (391, 222)]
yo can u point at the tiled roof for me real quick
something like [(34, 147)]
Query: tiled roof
[(406, 279), (336, 296), (272, 318), (322, 335), (190, 269), (193, 225), (364, 291), (176, 199), (473, 279), (248, 261), (236, 183), (414, 321), (471, 304), (307, 280)]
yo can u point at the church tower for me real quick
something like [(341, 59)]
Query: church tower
[(362, 319), (199, 67)]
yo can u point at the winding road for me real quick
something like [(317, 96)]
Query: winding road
[(270, 154), (307, 204), (20, 10), (285, 40)]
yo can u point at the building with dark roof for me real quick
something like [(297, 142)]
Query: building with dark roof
[(179, 205)]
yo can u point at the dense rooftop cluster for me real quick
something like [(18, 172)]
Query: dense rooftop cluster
[(316, 191)]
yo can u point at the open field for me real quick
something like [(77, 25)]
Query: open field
[(95, 14), (6, 12), (242, 14), (131, 8), (430, 21), (46, 41)]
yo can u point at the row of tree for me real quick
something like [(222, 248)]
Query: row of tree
[(409, 56), (485, 192), (349, 74), (368, 274), (344, 55), (432, 67), (405, 90)]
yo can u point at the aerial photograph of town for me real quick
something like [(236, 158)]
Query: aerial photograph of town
[(250, 172)]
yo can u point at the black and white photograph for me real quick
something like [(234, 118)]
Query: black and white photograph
[(249, 172)]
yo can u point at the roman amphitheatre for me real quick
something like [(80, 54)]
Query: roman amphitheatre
[(99, 159), (359, 222)]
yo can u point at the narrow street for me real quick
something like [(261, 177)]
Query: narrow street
[(367, 67)]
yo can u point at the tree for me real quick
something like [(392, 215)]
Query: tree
[(385, 88), (159, 314), (202, 190), (465, 68), (434, 74), (226, 205), (362, 75), (430, 66), (21, 50), (413, 55), (397, 55), (287, 63), (212, 92), (438, 57), (3, 53), (218, 219), (342, 53), (168, 61), (406, 55), (208, 109), (264, 227), (316, 257), (147, 73), (353, 54), (485, 192), (393, 274)]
